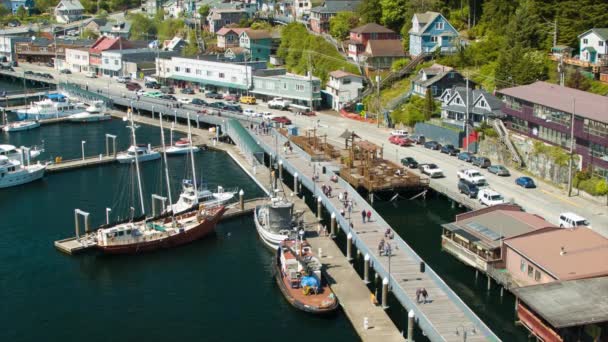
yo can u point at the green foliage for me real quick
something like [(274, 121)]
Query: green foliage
[(302, 50), (103, 14), (21, 12), (596, 186), (399, 63), (370, 11), (4, 11), (576, 80), (191, 49), (486, 130), (204, 11), (395, 13), (169, 28), (557, 154), (44, 6), (261, 25), (142, 27), (521, 66), (342, 23), (412, 112), (245, 22), (90, 6), (89, 34), (429, 105)]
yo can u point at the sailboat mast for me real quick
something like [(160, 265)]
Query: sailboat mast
[(192, 159), (141, 194), (162, 137)]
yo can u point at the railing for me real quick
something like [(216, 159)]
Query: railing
[(504, 137)]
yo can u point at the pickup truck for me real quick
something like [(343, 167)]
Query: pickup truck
[(278, 103), (472, 176), (431, 170)]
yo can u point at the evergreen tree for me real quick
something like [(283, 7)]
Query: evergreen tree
[(21, 12), (191, 49), (497, 14), (525, 27), (576, 80), (429, 105), (342, 23), (370, 11)]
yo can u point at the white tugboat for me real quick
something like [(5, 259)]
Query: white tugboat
[(13, 172), (274, 221)]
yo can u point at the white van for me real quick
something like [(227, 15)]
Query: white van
[(490, 197), (400, 133), (572, 220)]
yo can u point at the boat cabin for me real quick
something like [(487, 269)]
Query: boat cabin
[(119, 234)]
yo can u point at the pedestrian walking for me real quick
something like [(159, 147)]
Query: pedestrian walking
[(342, 212), (381, 247), (340, 197), (418, 294), (424, 295), (363, 215), (352, 226), (369, 216), (350, 209), (387, 249)]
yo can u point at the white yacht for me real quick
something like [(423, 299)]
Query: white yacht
[(21, 153), (21, 126), (94, 112), (54, 106), (144, 153), (274, 221), (13, 172), (187, 199)]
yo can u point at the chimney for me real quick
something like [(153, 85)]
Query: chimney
[(562, 251)]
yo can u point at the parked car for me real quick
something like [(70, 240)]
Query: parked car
[(47, 75), (90, 74), (15, 63), (66, 71), (184, 100), (152, 85), (472, 176), (419, 139), (466, 156), (247, 100), (282, 120), (213, 95), (468, 188), (409, 162), (482, 162), (400, 132), (167, 97), (248, 112), (198, 102), (187, 91), (490, 197), (450, 150), (431, 170), (499, 170), (140, 92), (278, 103), (231, 97), (233, 107), (525, 182), (50, 64), (400, 140), (306, 113), (153, 94), (268, 116), (14, 23), (122, 79), (29, 72), (167, 90), (432, 145), (219, 105), (133, 86), (572, 220)]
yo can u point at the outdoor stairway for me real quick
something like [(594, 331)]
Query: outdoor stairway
[(500, 128)]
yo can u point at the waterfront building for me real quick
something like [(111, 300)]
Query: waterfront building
[(360, 36), (301, 8), (13, 5), (43, 50), (565, 311), (543, 111), (131, 61), (558, 254), (437, 78), (95, 25), (108, 44), (476, 237), (482, 106), (430, 32), (320, 15), (68, 11), (300, 90), (7, 46), (77, 60), (343, 87)]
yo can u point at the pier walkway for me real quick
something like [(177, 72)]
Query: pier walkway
[(442, 319)]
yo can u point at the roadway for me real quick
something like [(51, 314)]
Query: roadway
[(546, 200)]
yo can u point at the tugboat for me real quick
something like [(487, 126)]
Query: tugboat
[(274, 221), (298, 275)]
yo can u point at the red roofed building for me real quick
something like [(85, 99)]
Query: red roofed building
[(359, 37), (228, 37), (108, 43)]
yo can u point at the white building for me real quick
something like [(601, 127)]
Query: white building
[(301, 7), (344, 87), (594, 45), (68, 11), (77, 60), (7, 46)]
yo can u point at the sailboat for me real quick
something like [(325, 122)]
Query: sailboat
[(166, 231)]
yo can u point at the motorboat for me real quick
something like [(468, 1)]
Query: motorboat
[(94, 112), (187, 199), (14, 172), (21, 153), (297, 272), (182, 142), (173, 150), (274, 221), (21, 126), (54, 106), (144, 153)]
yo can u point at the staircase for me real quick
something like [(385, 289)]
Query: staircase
[(503, 134)]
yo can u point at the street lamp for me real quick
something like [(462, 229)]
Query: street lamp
[(82, 145), (464, 331)]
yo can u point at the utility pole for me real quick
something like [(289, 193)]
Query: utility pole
[(466, 115), (570, 161), (379, 109), (561, 71)]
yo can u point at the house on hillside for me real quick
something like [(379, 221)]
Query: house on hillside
[(220, 17), (437, 78), (343, 87), (430, 32), (95, 25), (380, 54), (320, 15), (301, 8), (359, 36), (228, 37), (120, 29), (68, 10), (481, 106), (13, 5), (594, 46), (257, 44)]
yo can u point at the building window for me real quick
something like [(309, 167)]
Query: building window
[(346, 81), (116, 62), (519, 125), (434, 90), (299, 87), (600, 43), (596, 128), (522, 265), (554, 136), (530, 271), (199, 72), (284, 85), (439, 26), (106, 61), (177, 69), (512, 103), (233, 79), (187, 70), (553, 115), (482, 103), (221, 75), (598, 151), (537, 275), (600, 172), (433, 39), (585, 41), (167, 69)]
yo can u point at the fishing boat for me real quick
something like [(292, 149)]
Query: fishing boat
[(298, 274), (167, 231), (141, 152), (274, 221), (21, 153), (14, 172), (21, 126), (181, 146), (54, 106), (94, 112), (187, 197)]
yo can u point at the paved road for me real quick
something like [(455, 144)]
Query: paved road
[(546, 200)]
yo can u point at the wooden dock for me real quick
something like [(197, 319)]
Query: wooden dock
[(80, 163), (445, 314)]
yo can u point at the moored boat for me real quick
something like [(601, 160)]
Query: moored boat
[(13, 172), (298, 274), (19, 153), (21, 126), (274, 221), (144, 153), (187, 199), (54, 106), (173, 150), (94, 112)]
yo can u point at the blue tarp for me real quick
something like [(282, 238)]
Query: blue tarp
[(56, 97), (309, 281)]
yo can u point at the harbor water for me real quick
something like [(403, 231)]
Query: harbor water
[(216, 289)]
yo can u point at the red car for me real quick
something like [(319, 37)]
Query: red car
[(400, 140), (231, 97), (282, 119)]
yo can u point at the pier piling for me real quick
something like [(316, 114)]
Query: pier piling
[(319, 207), (333, 225), (295, 183), (385, 293), (410, 326), (489, 282), (349, 246), (242, 199), (366, 268), (281, 170)]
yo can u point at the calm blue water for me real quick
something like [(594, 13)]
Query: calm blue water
[(217, 289)]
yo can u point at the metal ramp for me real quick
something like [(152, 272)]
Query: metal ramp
[(500, 128)]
